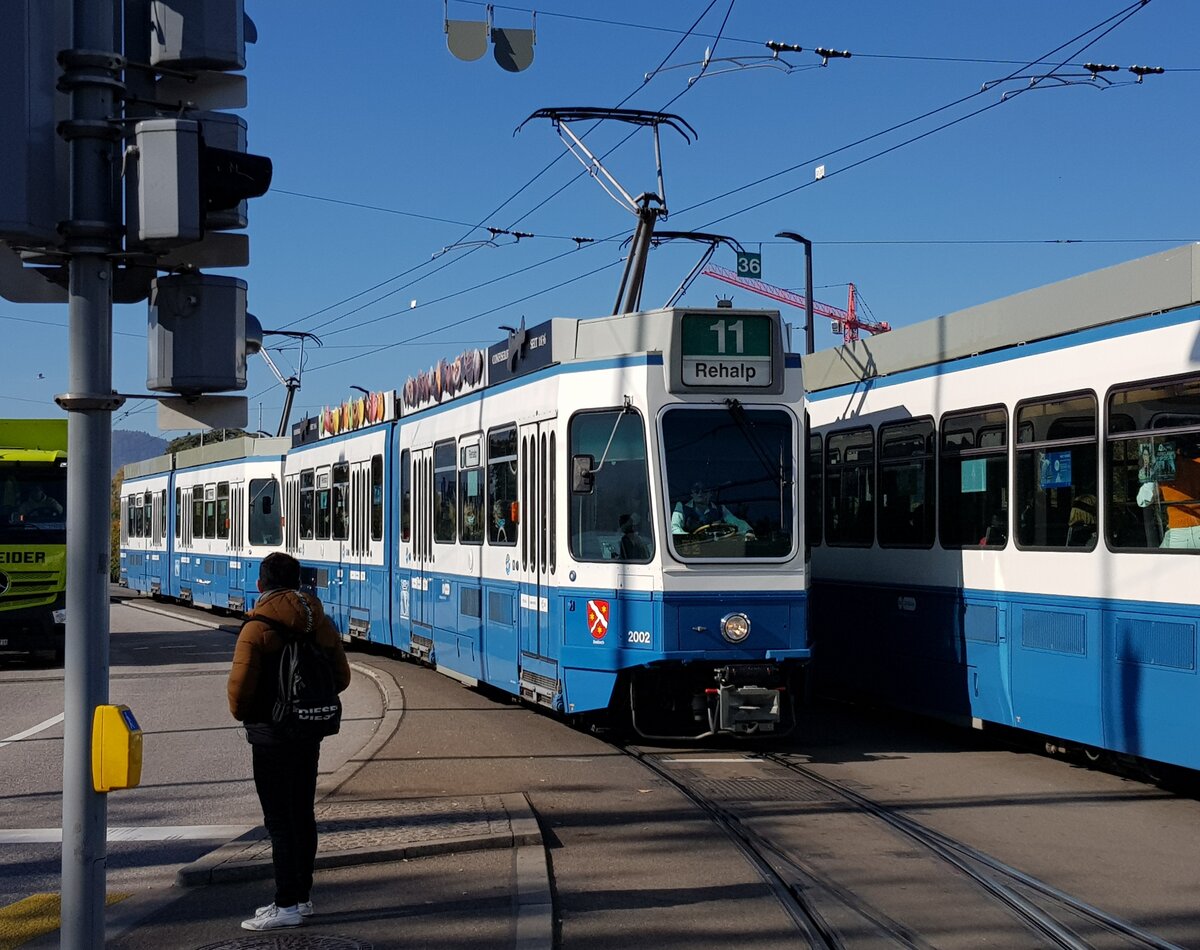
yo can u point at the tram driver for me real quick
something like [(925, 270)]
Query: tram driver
[(701, 510)]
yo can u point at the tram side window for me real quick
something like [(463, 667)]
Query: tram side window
[(611, 521), (376, 497), (148, 515), (135, 526), (210, 511), (264, 523), (405, 496), (906, 482), (223, 509), (197, 512), (178, 511), (162, 513), (502, 485), (321, 505), (1152, 467), (850, 488), (813, 492), (470, 494), (1056, 471), (341, 501), (445, 482), (973, 479), (308, 483)]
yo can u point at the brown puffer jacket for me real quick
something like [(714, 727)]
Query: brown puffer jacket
[(255, 667)]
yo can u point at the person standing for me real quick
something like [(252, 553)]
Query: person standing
[(285, 768)]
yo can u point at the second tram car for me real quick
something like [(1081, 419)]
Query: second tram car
[(1004, 511), (596, 515)]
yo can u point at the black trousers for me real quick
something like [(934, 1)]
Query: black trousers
[(285, 776)]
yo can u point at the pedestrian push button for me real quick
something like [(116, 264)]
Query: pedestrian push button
[(116, 749)]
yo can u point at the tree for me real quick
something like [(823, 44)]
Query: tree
[(114, 557), (195, 439)]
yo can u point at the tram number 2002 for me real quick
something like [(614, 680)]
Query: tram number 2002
[(637, 637)]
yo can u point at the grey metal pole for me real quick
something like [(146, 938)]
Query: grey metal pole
[(808, 298), (91, 72), (808, 286)]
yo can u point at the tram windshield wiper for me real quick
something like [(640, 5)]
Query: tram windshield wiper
[(757, 446)]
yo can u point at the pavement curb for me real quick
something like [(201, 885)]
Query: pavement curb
[(230, 626)]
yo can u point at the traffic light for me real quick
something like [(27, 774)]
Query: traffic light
[(190, 178), (191, 174), (33, 158)]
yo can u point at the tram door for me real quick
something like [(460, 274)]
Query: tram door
[(537, 533), (156, 561), (182, 566), (236, 529), (359, 546), (420, 598)]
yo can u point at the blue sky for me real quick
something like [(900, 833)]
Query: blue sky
[(388, 149)]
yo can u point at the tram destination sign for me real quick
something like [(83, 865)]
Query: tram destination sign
[(732, 350)]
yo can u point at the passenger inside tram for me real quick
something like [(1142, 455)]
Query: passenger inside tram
[(1181, 498), (633, 545)]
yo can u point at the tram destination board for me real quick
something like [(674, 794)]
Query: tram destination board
[(729, 350)]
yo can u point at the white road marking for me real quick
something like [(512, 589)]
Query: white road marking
[(150, 833), (52, 721)]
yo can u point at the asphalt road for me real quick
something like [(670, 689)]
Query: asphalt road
[(196, 789)]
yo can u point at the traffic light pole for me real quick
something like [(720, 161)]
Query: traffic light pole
[(91, 73)]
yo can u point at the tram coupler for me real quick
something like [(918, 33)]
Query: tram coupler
[(744, 710), (699, 701)]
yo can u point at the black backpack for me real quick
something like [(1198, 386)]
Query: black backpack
[(307, 706)]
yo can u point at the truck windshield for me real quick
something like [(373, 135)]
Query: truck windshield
[(33, 503), (730, 481)]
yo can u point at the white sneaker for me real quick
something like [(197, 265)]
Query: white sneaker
[(274, 918), (305, 908)]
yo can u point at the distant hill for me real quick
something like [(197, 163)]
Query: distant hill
[(128, 446)]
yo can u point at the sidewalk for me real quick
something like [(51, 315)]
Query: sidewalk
[(481, 878), (470, 821)]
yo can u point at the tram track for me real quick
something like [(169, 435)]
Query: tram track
[(834, 914)]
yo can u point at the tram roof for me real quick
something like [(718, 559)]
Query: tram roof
[(228, 450), (1164, 281)]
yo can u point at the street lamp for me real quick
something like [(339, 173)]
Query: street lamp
[(808, 287), (365, 392)]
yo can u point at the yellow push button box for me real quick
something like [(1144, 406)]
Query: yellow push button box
[(116, 749)]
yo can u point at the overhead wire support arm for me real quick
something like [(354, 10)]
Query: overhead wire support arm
[(647, 206), (290, 383), (712, 240), (562, 117), (1092, 76)]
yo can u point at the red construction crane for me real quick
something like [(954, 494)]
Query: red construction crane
[(845, 322)]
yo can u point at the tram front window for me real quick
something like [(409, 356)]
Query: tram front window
[(730, 482)]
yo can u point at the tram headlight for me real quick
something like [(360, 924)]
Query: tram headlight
[(735, 627)]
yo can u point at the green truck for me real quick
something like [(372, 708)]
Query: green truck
[(33, 535)]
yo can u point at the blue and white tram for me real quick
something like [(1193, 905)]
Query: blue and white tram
[(1005, 511), (334, 508), (144, 512), (536, 529), (196, 525)]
